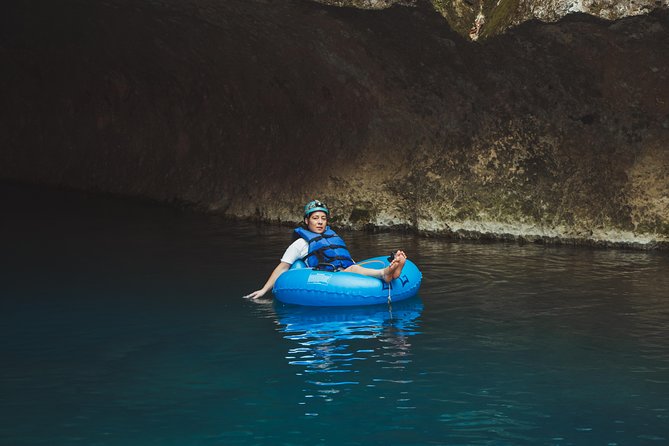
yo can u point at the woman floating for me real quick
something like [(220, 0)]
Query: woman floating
[(316, 245)]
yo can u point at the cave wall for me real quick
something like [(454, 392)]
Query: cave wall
[(549, 132), (484, 18)]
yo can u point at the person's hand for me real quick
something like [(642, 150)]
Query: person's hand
[(255, 294), (280, 269)]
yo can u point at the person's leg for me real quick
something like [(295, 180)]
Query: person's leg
[(371, 272), (392, 271)]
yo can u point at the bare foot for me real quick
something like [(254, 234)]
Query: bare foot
[(401, 259), (394, 270), (388, 271)]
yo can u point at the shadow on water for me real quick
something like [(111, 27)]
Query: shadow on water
[(328, 342), (350, 355)]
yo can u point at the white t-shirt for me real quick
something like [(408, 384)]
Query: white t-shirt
[(297, 250)]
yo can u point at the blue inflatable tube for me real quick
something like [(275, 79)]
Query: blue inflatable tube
[(305, 286)]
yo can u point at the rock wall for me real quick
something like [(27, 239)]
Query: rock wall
[(550, 132), (485, 18)]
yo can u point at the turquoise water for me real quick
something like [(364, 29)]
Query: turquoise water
[(122, 324)]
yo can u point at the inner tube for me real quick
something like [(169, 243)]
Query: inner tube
[(308, 286)]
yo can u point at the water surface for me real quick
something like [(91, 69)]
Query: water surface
[(123, 324)]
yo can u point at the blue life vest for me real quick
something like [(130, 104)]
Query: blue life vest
[(327, 247)]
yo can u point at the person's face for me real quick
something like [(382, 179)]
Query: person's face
[(316, 222)]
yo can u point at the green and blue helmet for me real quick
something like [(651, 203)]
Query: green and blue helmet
[(314, 206)]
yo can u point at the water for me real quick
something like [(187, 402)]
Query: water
[(122, 324)]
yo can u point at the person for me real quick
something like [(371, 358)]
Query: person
[(316, 243)]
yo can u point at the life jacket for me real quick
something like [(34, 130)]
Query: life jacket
[(327, 247)]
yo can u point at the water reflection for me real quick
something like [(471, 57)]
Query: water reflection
[(339, 347)]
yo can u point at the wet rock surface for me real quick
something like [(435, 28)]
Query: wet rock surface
[(484, 18), (549, 133)]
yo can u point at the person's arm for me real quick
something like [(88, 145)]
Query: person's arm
[(281, 268)]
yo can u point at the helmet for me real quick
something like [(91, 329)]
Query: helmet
[(314, 206)]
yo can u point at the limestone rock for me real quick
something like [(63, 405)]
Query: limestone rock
[(549, 132), (476, 18)]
